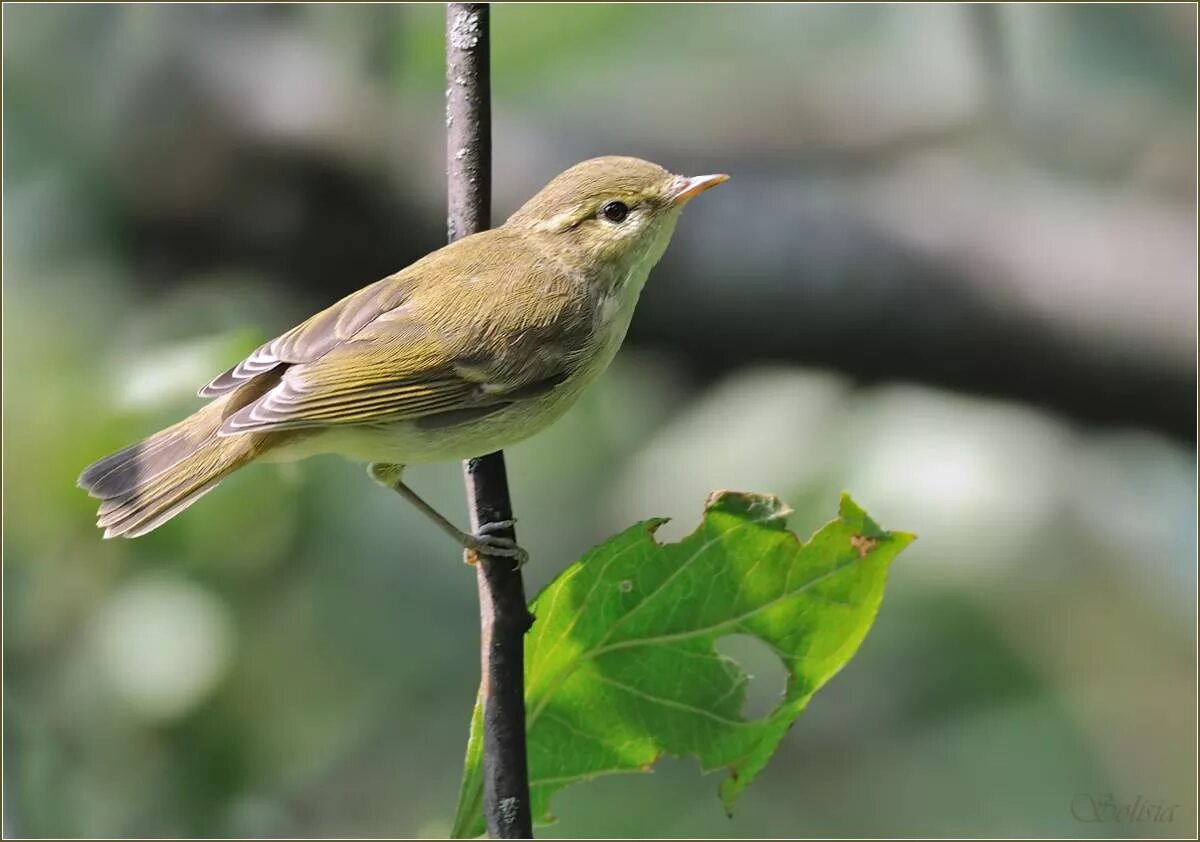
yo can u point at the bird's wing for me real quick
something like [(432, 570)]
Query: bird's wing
[(316, 336), (441, 357)]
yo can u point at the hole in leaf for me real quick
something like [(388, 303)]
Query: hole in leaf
[(768, 675)]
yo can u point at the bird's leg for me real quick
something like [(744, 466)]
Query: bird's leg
[(388, 474)]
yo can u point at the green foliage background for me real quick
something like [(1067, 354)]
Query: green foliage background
[(297, 655)]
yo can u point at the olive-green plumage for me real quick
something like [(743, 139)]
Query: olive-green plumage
[(472, 348)]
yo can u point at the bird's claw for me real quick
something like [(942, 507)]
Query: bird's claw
[(495, 526), (485, 542)]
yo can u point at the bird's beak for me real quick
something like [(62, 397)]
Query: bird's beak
[(696, 185)]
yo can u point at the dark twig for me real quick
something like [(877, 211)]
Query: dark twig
[(504, 617)]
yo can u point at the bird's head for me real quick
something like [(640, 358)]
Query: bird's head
[(613, 211)]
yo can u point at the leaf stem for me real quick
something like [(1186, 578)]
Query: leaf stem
[(504, 616)]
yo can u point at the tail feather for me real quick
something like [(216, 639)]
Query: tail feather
[(151, 516), (148, 483), (142, 462)]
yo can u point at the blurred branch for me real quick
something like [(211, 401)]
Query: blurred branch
[(988, 37), (1101, 342), (504, 617)]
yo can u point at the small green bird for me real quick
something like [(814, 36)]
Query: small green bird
[(474, 347)]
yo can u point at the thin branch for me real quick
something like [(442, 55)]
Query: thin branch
[(504, 617)]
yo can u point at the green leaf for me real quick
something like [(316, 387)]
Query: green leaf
[(620, 666)]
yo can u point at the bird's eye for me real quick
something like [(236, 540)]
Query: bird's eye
[(615, 211)]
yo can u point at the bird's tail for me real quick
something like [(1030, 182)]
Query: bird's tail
[(148, 483)]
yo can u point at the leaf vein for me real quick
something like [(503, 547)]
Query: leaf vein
[(574, 663), (671, 703), (715, 627)]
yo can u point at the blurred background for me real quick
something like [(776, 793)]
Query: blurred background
[(954, 274)]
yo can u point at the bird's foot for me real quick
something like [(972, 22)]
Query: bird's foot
[(486, 542)]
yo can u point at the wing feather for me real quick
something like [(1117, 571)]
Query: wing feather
[(423, 344), (317, 335)]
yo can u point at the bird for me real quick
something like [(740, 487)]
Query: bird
[(474, 347)]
